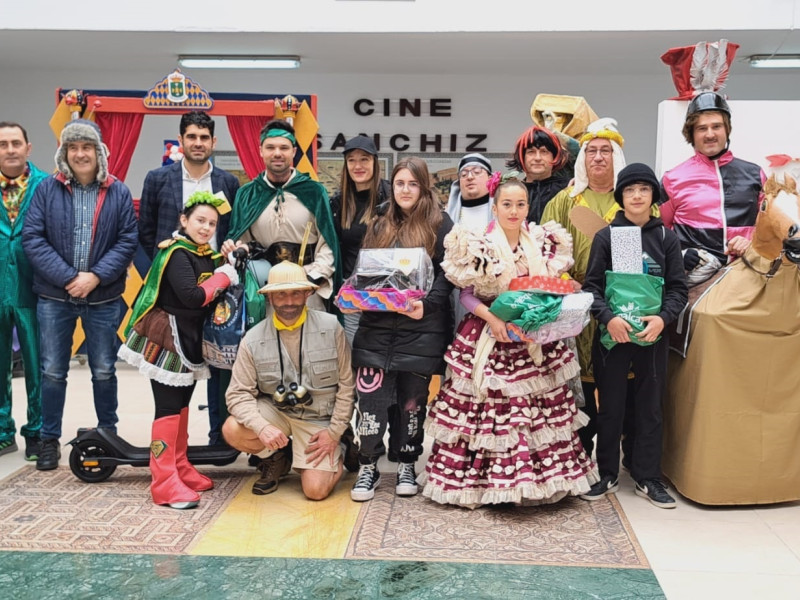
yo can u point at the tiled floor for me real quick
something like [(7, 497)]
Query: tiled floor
[(694, 551)]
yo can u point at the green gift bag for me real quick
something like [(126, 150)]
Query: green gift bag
[(632, 296), (529, 310), (255, 303)]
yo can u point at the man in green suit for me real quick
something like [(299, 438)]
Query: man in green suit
[(18, 180)]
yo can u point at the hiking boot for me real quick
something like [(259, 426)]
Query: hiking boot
[(48, 455), (656, 492), (8, 446), (272, 469), (608, 484), (33, 447), (368, 479), (350, 450), (406, 480)]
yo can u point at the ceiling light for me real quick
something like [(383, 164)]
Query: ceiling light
[(239, 62), (775, 61)]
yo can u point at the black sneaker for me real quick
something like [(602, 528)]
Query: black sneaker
[(8, 446), (48, 456), (608, 484), (350, 451), (368, 479), (655, 491), (272, 469), (33, 447), (406, 480)]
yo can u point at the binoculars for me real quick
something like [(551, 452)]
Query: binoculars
[(294, 395)]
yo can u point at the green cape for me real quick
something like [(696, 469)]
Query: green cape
[(148, 295), (254, 197)]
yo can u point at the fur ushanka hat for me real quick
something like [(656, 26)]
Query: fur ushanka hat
[(82, 130)]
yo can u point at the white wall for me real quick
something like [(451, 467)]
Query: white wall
[(498, 105)]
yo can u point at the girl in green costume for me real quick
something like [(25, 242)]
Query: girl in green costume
[(164, 340)]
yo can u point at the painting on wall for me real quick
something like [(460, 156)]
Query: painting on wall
[(228, 160)]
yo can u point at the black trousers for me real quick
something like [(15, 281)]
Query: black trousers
[(588, 431), (378, 392), (649, 366), (170, 400)]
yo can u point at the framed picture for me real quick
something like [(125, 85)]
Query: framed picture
[(443, 167), (330, 165), (228, 160)]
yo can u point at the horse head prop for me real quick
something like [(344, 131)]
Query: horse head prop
[(777, 233)]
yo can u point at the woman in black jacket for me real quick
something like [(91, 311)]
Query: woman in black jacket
[(396, 354)]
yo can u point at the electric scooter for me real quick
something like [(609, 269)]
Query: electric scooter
[(97, 452)]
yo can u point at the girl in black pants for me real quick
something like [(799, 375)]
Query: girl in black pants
[(165, 341), (396, 354), (637, 188)]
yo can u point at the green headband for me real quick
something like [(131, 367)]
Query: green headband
[(202, 197), (278, 133)]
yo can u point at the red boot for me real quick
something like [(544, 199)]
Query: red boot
[(167, 487), (188, 474)]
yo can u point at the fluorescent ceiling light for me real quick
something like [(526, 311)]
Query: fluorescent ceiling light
[(239, 62), (775, 61)]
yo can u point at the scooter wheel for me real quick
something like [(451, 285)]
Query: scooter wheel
[(84, 464)]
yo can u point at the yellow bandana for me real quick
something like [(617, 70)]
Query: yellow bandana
[(282, 327)]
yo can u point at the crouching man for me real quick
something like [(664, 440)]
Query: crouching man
[(292, 378)]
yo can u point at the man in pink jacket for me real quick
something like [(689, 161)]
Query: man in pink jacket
[(710, 200)]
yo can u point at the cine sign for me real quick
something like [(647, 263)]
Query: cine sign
[(414, 108)]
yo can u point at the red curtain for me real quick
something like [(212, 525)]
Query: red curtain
[(120, 133), (245, 133)]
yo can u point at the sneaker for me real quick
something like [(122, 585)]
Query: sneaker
[(272, 469), (608, 484), (33, 447), (48, 455), (368, 479), (8, 446), (406, 480), (349, 450), (655, 491)]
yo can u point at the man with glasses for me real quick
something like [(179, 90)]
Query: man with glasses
[(470, 205), (599, 160), (292, 377)]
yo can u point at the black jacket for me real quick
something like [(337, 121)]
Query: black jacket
[(395, 342), (540, 193), (350, 239), (663, 248)]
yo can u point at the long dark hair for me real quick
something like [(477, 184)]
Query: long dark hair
[(348, 187), (415, 230)]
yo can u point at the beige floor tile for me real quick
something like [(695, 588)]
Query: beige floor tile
[(688, 585), (788, 512), (721, 547), (789, 533)]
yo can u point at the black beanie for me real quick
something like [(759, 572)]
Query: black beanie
[(637, 173)]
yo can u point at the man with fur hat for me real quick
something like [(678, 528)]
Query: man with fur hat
[(599, 161), (292, 378), (711, 200), (18, 181), (80, 237)]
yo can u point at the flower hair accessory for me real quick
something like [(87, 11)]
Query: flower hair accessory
[(218, 201), (494, 182)]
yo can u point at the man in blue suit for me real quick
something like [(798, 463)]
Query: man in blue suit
[(164, 194)]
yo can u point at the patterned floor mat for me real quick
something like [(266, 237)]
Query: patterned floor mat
[(572, 532), (54, 511)]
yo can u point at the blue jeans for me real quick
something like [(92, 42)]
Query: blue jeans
[(57, 322)]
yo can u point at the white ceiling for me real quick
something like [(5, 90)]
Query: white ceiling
[(613, 53)]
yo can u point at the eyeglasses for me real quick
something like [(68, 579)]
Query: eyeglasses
[(633, 190), (604, 152), (411, 185), (474, 171)]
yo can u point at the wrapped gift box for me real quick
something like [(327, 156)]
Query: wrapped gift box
[(542, 283), (574, 316), (351, 300)]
